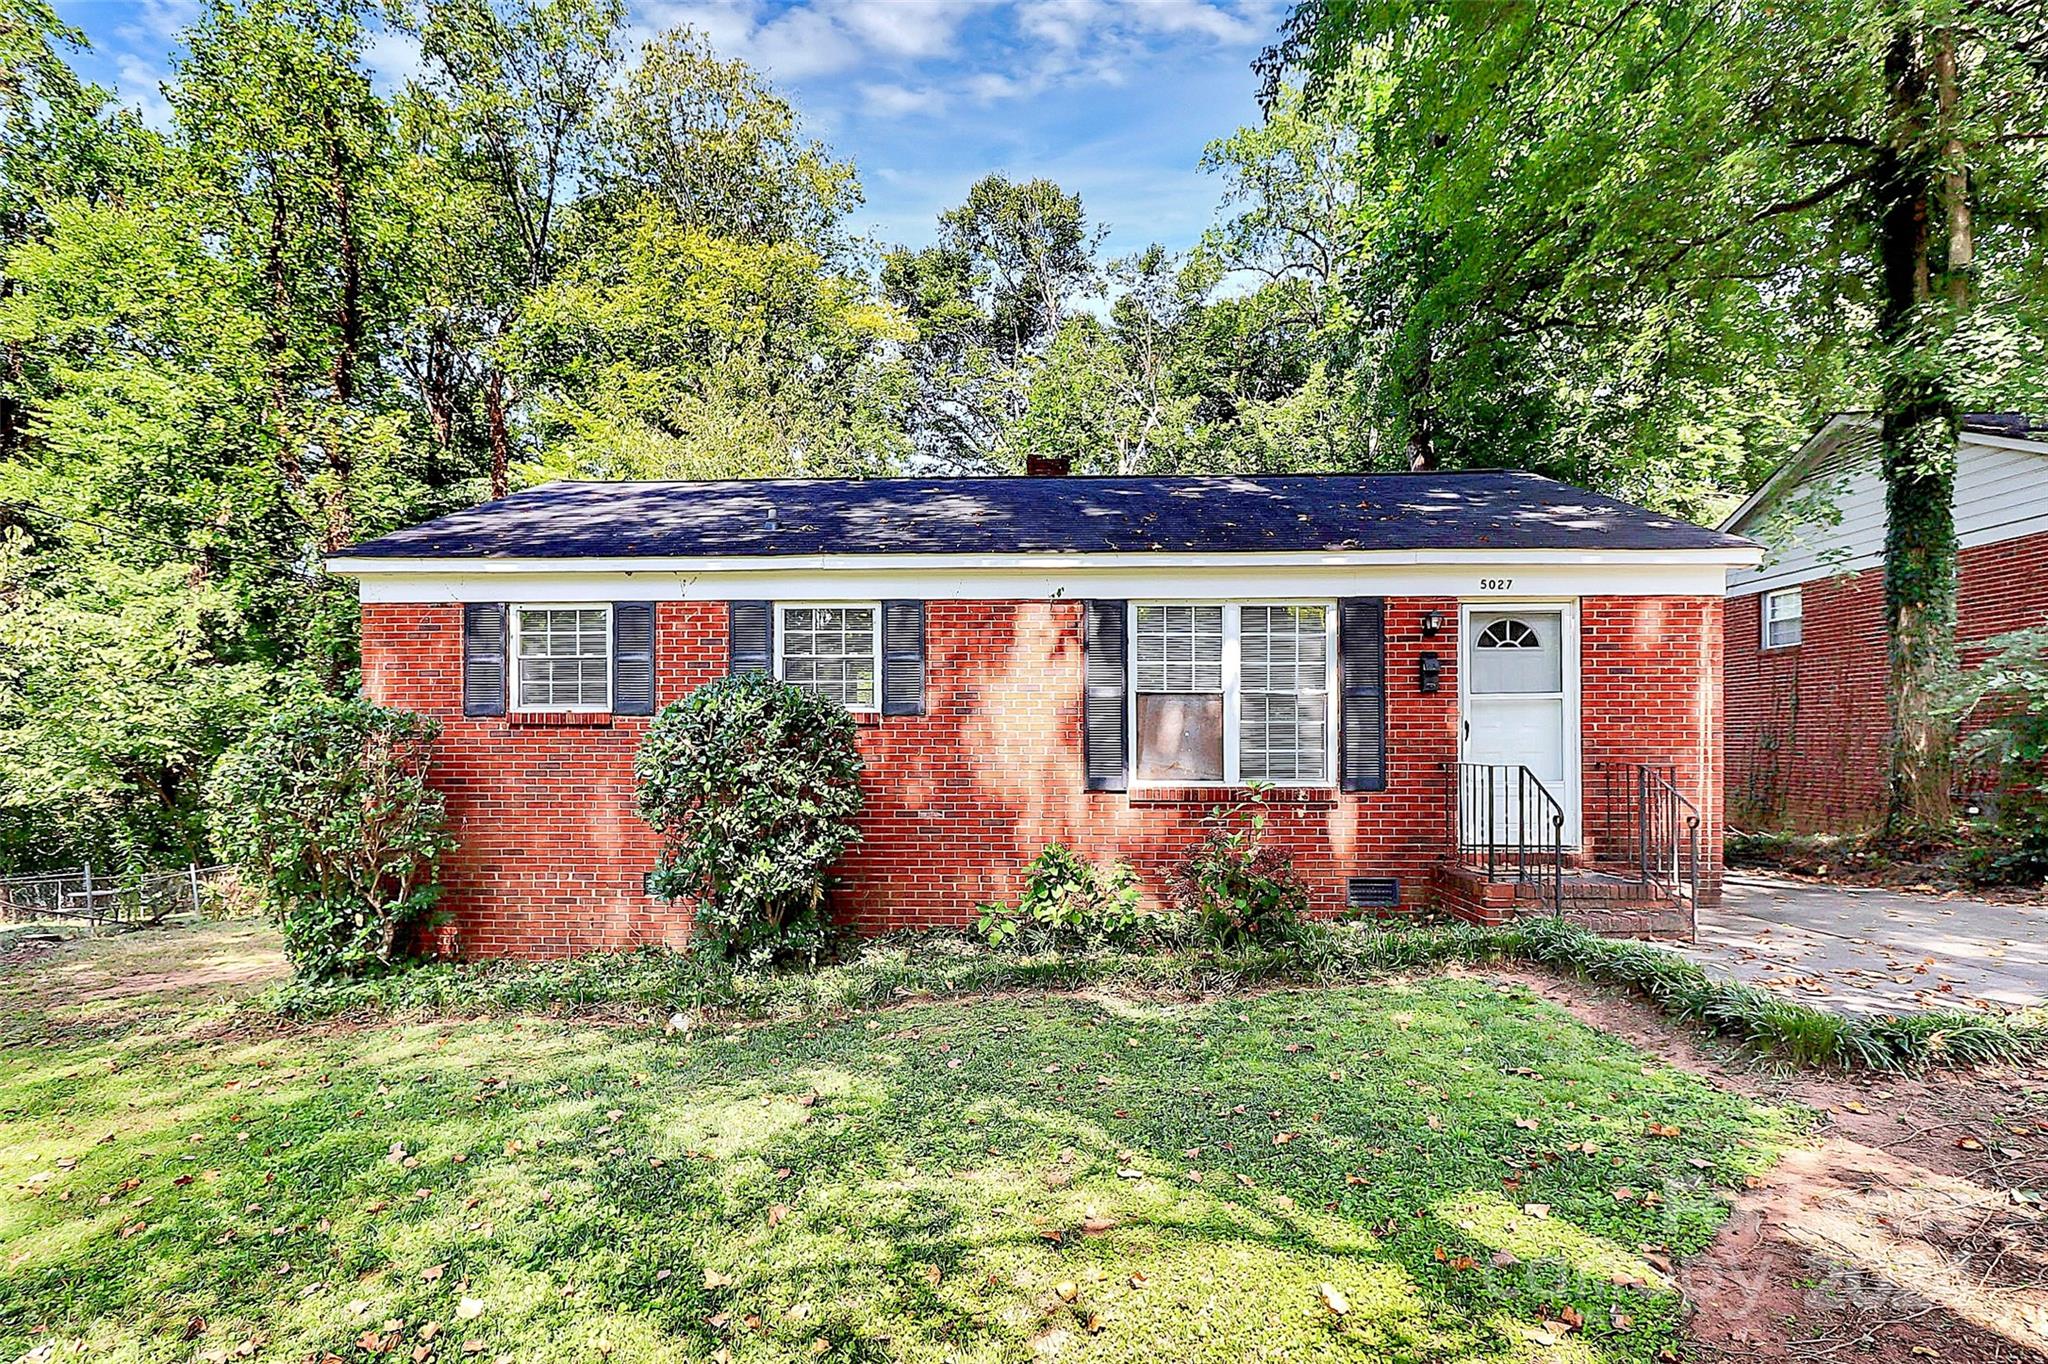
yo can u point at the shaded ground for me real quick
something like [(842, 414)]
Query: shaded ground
[(1866, 950), (1102, 1177), (1908, 1227)]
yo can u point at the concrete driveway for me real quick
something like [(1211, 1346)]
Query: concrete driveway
[(1867, 951)]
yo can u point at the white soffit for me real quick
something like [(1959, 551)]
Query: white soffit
[(1474, 573)]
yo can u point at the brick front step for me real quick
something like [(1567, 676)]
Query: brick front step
[(1602, 902)]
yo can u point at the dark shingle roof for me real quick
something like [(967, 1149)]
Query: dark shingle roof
[(1467, 510)]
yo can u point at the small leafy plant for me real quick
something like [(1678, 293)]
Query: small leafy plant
[(325, 810), (1235, 889), (1068, 902), (2002, 705), (754, 785)]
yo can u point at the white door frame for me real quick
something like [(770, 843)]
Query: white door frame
[(1573, 739)]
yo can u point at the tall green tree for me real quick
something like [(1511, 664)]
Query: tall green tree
[(509, 116), (722, 151), (987, 300), (1650, 231)]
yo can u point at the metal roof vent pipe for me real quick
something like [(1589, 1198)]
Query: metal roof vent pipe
[(1048, 466)]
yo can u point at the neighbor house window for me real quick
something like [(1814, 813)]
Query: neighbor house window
[(1226, 693), (1781, 618), (830, 650), (564, 656)]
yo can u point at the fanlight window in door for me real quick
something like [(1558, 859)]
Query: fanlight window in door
[(1518, 653), (1509, 634)]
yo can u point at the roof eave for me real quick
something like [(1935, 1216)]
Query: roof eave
[(1744, 554)]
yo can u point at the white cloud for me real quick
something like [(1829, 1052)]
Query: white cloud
[(158, 23), (140, 83), (729, 24), (395, 55), (899, 101), (1194, 16), (987, 87), (803, 42), (907, 28)]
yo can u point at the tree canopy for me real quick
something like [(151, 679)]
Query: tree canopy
[(1644, 247)]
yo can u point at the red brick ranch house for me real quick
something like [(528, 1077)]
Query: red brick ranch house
[(1485, 692)]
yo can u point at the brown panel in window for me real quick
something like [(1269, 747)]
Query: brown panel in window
[(1180, 736)]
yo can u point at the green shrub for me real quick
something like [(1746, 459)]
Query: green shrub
[(754, 785), (1068, 902), (325, 810), (1235, 889), (2003, 704)]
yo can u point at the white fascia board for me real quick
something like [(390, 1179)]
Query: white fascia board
[(1812, 573), (1479, 578), (1734, 556), (2029, 444)]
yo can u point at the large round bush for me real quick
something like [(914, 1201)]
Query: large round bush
[(754, 786), (325, 808)]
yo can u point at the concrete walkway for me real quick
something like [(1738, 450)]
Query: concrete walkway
[(1865, 951)]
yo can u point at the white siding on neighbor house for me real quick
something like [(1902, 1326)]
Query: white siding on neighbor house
[(2001, 494)]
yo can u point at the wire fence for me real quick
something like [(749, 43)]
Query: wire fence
[(113, 900)]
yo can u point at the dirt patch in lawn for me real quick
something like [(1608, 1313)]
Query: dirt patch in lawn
[(1913, 1228)]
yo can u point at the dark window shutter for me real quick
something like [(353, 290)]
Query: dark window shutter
[(902, 658), (633, 658), (1362, 664), (483, 658), (1103, 708), (752, 637)]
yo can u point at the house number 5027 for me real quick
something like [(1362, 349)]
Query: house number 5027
[(1495, 584)]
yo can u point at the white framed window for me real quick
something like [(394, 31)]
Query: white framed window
[(1781, 616), (562, 658), (833, 648), (1223, 693)]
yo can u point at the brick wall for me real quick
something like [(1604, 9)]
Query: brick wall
[(551, 855), (1808, 726), (1650, 692)]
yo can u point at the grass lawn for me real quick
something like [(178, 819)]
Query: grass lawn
[(1474, 1174)]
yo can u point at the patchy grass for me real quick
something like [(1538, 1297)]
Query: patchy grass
[(648, 984), (1101, 1177)]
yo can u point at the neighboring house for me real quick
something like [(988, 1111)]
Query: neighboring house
[(1808, 716), (1100, 661)]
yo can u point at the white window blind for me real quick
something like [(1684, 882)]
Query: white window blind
[(830, 650), (1227, 693), (1782, 616), (1284, 693), (564, 657)]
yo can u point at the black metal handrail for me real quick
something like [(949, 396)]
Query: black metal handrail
[(1505, 820), (1667, 835), (1649, 827)]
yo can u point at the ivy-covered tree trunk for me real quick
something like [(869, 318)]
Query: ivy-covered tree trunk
[(1919, 425)]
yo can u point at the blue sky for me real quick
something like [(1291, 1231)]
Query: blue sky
[(1112, 98)]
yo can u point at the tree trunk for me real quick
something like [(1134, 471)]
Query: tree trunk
[(348, 340), (1421, 412), (277, 342), (1960, 269), (1918, 421), (501, 441)]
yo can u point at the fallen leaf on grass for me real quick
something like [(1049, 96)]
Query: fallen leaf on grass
[(1334, 1299)]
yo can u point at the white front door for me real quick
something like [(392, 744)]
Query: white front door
[(1520, 689)]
